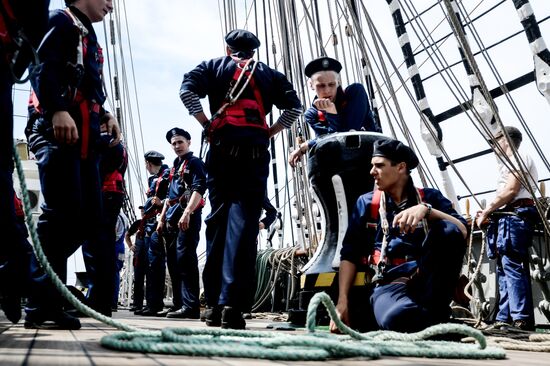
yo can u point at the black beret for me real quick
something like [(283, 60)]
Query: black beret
[(322, 64), (176, 131), (153, 157), (395, 151), (513, 132), (148, 205), (242, 40)]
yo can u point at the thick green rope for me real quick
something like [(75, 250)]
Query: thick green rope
[(270, 345), (60, 286)]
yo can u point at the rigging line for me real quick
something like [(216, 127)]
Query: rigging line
[(442, 61), (402, 125), (461, 37), (316, 32), (128, 40), (317, 17), (511, 100), (440, 145), (445, 37), (395, 9), (532, 30), (423, 12), (488, 47), (125, 106), (455, 95), (332, 33), (422, 41), (400, 121), (272, 142), (307, 207), (222, 30)]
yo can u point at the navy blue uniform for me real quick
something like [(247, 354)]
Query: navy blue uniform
[(151, 248), (354, 113), (69, 175), (188, 175), (32, 17), (422, 270), (140, 263), (238, 167), (112, 167)]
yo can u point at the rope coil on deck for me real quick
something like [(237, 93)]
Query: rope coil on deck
[(270, 345)]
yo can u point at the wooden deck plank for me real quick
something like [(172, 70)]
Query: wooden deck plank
[(48, 347)]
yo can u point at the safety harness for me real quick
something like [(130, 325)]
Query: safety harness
[(183, 200), (237, 111), (378, 260), (73, 93)]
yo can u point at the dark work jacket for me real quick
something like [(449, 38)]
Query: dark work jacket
[(192, 179), (212, 78), (57, 76), (364, 234), (323, 123)]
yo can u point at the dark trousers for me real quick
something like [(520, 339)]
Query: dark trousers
[(141, 264), (156, 272), (100, 268), (187, 264), (237, 186), (14, 249), (422, 301), (171, 240), (70, 215)]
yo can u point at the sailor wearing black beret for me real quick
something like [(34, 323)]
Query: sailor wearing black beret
[(322, 64), (395, 151), (334, 109), (154, 157), (238, 164), (242, 40), (176, 131), (415, 241)]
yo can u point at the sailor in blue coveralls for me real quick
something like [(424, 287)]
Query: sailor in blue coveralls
[(64, 135), (31, 18), (418, 267), (149, 251), (180, 223), (237, 165), (509, 236), (334, 109)]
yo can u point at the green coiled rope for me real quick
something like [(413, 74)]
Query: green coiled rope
[(271, 345)]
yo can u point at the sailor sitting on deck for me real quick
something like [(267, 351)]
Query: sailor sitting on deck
[(334, 109), (417, 256)]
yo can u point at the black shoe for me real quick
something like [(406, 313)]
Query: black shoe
[(212, 316), (134, 308), (146, 312), (61, 320), (523, 325), (232, 319), (162, 313), (11, 305), (184, 313)]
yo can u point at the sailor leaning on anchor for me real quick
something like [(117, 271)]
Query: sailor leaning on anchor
[(414, 240)]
